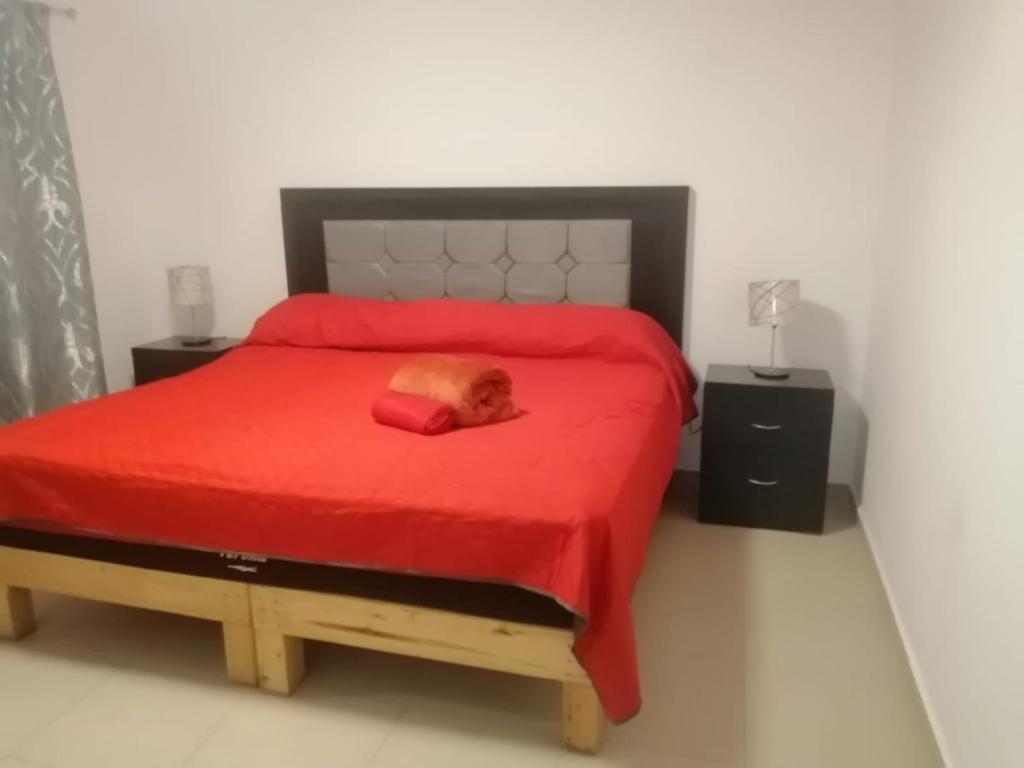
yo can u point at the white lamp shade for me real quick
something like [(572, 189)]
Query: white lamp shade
[(190, 286), (773, 302)]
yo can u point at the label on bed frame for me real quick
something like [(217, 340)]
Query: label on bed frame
[(240, 558)]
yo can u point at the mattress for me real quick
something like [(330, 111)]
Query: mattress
[(495, 601), (271, 450)]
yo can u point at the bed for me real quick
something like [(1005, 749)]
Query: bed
[(282, 511)]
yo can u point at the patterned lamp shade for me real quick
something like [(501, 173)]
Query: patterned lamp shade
[(190, 286), (773, 302)]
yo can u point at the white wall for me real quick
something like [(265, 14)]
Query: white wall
[(943, 500), (187, 117)]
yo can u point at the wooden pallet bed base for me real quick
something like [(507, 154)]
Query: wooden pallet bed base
[(264, 627), (283, 618), (227, 602)]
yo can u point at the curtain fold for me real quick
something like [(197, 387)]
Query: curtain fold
[(49, 342)]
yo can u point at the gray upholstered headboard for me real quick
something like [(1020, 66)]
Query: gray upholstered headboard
[(583, 261), (619, 246)]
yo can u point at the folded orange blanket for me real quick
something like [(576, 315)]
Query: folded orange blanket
[(479, 392)]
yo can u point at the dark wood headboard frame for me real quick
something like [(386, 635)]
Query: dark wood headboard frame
[(659, 216)]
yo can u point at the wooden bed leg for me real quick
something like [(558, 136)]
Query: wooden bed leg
[(281, 661), (240, 652), (582, 718), (17, 618)]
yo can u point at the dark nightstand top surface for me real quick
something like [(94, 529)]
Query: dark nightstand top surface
[(217, 344), (799, 378)]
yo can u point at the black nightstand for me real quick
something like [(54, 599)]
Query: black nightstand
[(169, 357), (764, 449)]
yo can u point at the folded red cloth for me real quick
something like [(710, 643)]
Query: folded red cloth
[(413, 413)]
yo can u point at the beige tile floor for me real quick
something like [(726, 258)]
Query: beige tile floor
[(758, 650)]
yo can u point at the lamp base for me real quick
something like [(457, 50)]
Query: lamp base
[(196, 341), (762, 372)]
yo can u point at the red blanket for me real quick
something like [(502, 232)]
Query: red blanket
[(271, 450)]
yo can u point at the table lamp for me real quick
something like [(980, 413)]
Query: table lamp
[(772, 302), (191, 287)]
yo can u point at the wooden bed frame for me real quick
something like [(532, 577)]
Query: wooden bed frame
[(264, 627), (265, 624), (283, 618), (22, 570)]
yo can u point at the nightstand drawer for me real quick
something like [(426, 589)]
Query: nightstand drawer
[(764, 490), (765, 448), (761, 419)]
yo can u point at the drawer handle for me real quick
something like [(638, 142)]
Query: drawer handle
[(754, 481), (766, 427)]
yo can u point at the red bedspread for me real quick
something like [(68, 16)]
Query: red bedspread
[(272, 450)]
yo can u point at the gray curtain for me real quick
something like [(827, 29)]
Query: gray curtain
[(49, 344)]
